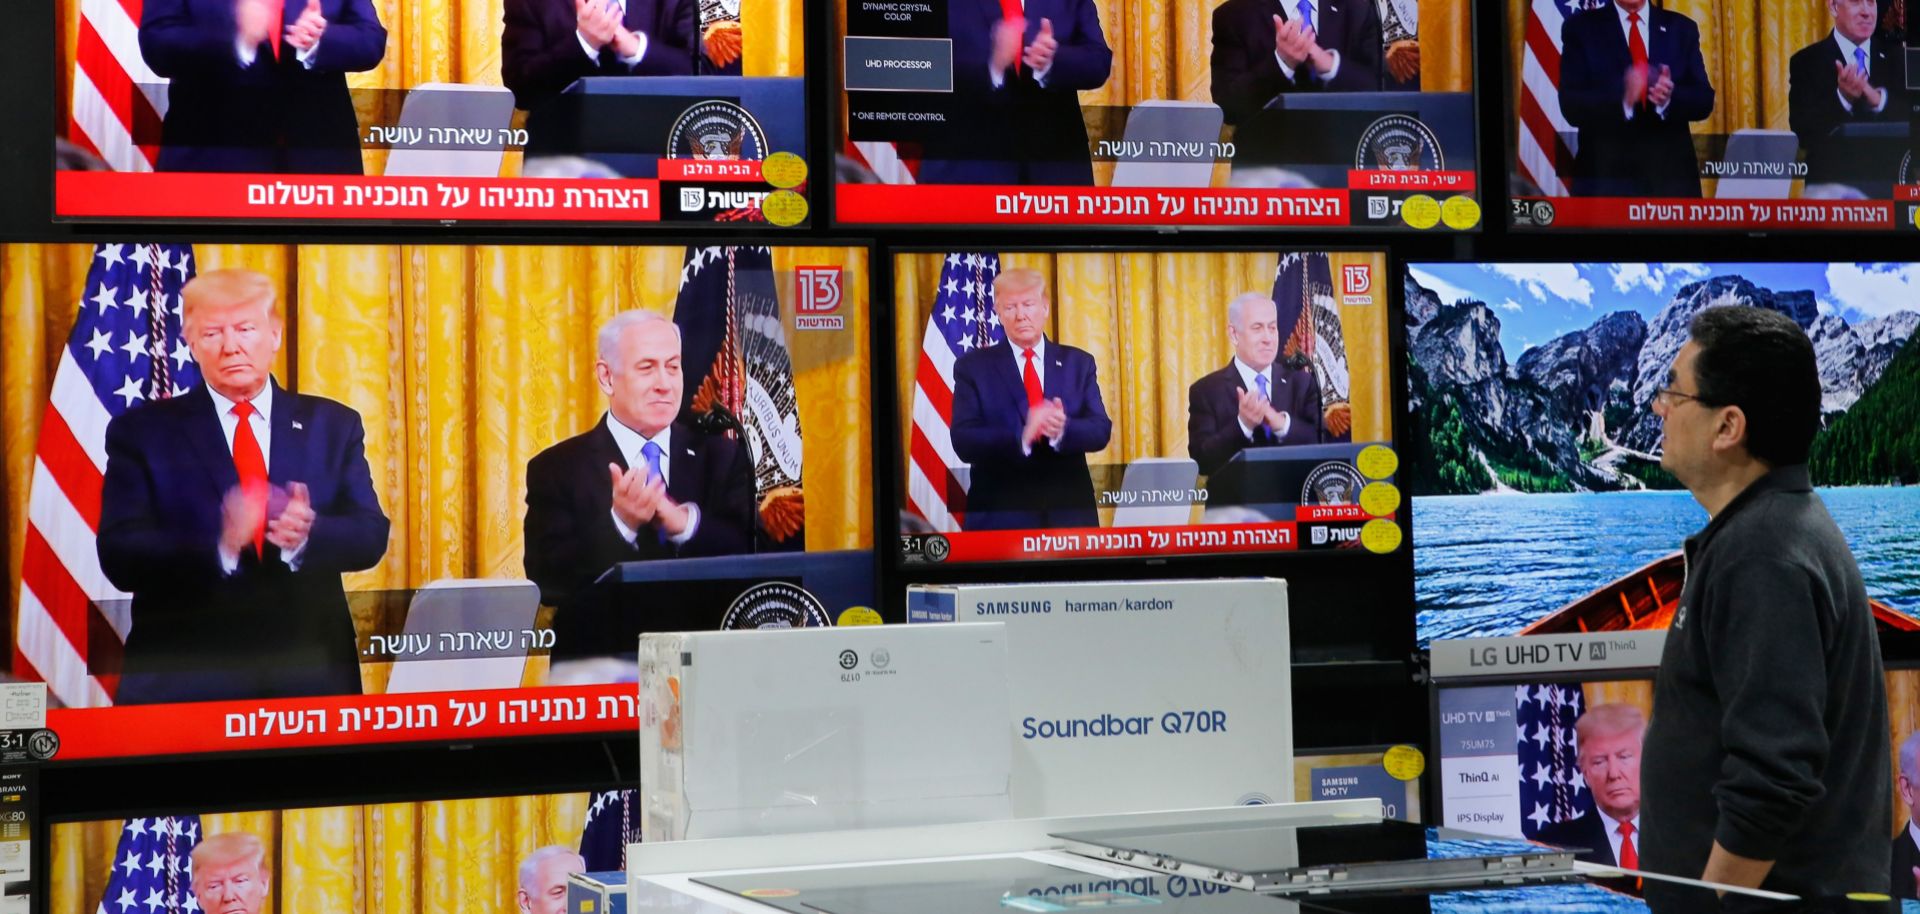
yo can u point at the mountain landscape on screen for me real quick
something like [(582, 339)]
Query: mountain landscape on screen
[(1575, 413), (1534, 453)]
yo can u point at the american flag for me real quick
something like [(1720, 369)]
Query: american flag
[(612, 823), (1551, 788), (1547, 141), (962, 321), (117, 100), (1303, 298), (152, 872), (127, 347), (892, 163), (734, 349)]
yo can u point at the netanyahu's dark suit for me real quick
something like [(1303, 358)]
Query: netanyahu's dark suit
[(272, 115), (1213, 414), (1247, 75), (571, 538), (1050, 487), (1024, 131), (266, 630), (1815, 109), (1650, 154), (1906, 858)]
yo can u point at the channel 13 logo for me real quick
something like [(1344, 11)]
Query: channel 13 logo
[(818, 294)]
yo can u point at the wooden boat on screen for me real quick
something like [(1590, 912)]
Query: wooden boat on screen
[(1646, 599)]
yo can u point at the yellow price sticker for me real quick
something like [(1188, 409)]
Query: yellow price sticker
[(784, 170), (1381, 536), (1460, 212), (1405, 762), (1421, 211), (1380, 498), (1377, 461), (784, 208), (859, 615)]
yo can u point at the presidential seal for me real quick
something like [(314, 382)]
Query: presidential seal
[(1332, 483), (716, 130), (1399, 143), (775, 604)]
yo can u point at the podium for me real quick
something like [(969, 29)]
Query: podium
[(627, 122), (1865, 156), (1319, 135), (770, 590), (1276, 481)]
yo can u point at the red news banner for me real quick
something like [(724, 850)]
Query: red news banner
[(298, 723), (1625, 212), (245, 196), (1002, 205)]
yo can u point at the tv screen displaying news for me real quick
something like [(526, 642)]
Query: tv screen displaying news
[(504, 853), (635, 112), (1100, 112), (1067, 405), (1713, 114), (299, 496), (1540, 503), (1554, 760)]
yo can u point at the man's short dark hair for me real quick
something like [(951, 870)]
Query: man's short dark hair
[(1761, 361)]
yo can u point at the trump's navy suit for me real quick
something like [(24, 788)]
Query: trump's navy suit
[(1050, 487), (1025, 131), (269, 116), (265, 630)]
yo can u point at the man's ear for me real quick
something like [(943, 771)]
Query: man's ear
[(1732, 430)]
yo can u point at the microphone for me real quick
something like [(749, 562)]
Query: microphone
[(719, 419)]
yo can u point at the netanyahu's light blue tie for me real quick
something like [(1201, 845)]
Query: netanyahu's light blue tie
[(1306, 14), (651, 452), (1261, 432)]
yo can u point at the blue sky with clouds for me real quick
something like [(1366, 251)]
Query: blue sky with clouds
[(1537, 302)]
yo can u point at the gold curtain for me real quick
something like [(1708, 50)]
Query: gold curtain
[(463, 363), (438, 857), (458, 41), (1746, 45), (1446, 46), (1154, 323)]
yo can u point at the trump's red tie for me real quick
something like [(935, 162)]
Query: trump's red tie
[(277, 26), (1032, 379), (252, 467), (1629, 857), (1637, 46), (1011, 10)]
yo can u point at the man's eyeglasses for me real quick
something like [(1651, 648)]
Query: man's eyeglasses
[(1672, 398)]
